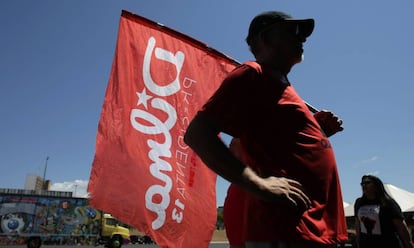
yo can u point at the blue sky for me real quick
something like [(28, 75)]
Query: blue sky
[(56, 57)]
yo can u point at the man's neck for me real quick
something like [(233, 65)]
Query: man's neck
[(275, 66)]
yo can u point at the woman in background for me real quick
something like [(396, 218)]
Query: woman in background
[(379, 221)]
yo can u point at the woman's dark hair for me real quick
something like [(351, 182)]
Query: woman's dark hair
[(382, 194)]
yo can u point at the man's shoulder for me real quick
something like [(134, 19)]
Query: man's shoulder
[(249, 66), (245, 71), (254, 65)]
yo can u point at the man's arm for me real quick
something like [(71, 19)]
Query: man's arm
[(202, 137)]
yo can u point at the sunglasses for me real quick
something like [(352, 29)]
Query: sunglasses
[(293, 29)]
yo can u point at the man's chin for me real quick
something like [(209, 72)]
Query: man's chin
[(299, 59)]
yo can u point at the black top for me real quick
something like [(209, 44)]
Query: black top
[(376, 222)]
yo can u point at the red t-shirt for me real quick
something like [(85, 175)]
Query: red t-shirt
[(283, 138)]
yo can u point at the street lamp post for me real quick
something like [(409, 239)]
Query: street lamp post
[(76, 186), (44, 175)]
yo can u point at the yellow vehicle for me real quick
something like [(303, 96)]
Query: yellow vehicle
[(113, 234), (55, 218)]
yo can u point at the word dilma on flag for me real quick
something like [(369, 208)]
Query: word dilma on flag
[(143, 173)]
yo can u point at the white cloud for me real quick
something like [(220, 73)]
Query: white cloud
[(77, 187), (366, 161)]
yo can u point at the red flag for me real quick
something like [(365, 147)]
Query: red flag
[(143, 173)]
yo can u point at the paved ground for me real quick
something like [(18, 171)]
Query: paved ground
[(220, 245)]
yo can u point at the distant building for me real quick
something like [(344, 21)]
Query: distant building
[(34, 182), (36, 192)]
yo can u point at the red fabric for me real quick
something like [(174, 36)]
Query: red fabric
[(143, 173), (280, 134), (233, 214)]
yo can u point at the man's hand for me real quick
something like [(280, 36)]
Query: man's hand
[(329, 122), (285, 190)]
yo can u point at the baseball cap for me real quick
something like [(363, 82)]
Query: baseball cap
[(267, 19)]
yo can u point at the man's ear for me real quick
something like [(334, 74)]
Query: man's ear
[(263, 38)]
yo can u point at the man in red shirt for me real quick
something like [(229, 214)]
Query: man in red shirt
[(294, 196)]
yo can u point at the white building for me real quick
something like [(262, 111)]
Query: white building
[(34, 182)]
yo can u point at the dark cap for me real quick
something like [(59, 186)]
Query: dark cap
[(267, 19)]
